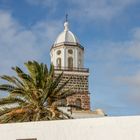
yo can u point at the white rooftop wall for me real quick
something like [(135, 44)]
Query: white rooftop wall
[(107, 128)]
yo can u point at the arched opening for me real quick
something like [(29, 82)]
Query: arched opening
[(78, 104), (70, 62), (79, 63), (58, 62)]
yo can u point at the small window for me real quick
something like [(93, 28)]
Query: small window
[(58, 52), (58, 62), (79, 62), (70, 51), (78, 104), (70, 62)]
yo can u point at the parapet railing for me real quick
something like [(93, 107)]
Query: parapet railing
[(71, 69)]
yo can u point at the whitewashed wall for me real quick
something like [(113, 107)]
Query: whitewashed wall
[(106, 128)]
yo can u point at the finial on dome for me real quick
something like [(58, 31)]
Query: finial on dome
[(66, 25), (66, 17)]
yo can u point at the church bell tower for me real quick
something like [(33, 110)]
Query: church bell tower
[(67, 56)]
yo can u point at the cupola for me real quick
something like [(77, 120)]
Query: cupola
[(66, 52), (66, 36)]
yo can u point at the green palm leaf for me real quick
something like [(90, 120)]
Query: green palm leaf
[(33, 96)]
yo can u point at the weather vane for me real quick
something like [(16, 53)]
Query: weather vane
[(66, 17)]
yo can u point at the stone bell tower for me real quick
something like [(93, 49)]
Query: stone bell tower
[(67, 55)]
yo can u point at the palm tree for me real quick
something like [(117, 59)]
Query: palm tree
[(33, 96)]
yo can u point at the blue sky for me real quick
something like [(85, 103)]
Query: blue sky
[(109, 30)]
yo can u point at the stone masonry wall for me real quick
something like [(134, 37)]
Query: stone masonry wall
[(79, 84), (84, 97)]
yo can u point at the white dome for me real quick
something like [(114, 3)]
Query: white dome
[(66, 36)]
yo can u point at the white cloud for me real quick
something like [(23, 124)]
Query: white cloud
[(115, 72), (134, 45), (99, 9), (131, 80), (19, 44), (119, 51), (87, 10), (45, 3)]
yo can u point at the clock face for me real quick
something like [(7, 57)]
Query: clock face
[(58, 52), (70, 51)]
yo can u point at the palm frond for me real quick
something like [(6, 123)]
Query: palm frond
[(32, 95), (11, 100), (59, 89), (7, 87)]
